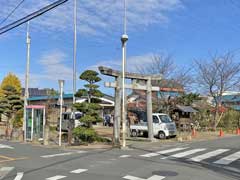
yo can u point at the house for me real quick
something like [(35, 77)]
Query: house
[(182, 115), (51, 104), (169, 89), (231, 99)]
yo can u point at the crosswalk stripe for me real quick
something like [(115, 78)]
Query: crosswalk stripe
[(56, 177), (229, 159), (19, 176), (150, 155), (171, 150), (208, 155), (163, 152), (78, 171), (186, 153)]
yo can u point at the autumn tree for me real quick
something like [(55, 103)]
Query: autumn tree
[(164, 65), (11, 80), (174, 79), (217, 75)]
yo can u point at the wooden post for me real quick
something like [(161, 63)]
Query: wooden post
[(117, 113), (149, 110)]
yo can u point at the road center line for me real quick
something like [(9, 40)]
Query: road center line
[(19, 176)]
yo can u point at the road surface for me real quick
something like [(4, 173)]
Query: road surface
[(215, 160)]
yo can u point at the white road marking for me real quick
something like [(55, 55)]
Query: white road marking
[(229, 159), (154, 177), (186, 153), (3, 146), (208, 155), (19, 176), (132, 178), (125, 156), (6, 169), (56, 177), (171, 150), (150, 155), (78, 171), (62, 154), (163, 152)]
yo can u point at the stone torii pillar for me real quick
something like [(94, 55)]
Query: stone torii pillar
[(147, 86)]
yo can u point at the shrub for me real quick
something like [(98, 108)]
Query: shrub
[(85, 134), (230, 120)]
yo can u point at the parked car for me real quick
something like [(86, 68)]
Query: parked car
[(163, 127)]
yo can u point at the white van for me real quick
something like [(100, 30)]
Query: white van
[(163, 127)]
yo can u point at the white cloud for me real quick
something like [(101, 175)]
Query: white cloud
[(95, 17), (53, 66), (132, 63)]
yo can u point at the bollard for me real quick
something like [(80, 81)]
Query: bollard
[(238, 131), (194, 134), (221, 134)]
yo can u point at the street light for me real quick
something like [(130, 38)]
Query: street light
[(61, 84), (124, 40)]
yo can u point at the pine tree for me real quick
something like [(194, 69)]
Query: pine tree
[(10, 103), (91, 107)]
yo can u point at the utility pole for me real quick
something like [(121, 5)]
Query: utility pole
[(26, 93), (74, 50), (74, 72), (124, 40), (61, 84)]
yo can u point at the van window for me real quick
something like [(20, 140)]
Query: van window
[(165, 119), (78, 116), (155, 119), (66, 116)]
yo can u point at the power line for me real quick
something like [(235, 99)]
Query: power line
[(31, 16), (11, 13)]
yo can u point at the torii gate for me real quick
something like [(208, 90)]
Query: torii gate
[(146, 85)]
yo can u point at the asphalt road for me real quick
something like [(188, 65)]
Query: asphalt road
[(213, 160)]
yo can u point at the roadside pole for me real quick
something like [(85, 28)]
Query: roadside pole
[(74, 72), (61, 84), (124, 40), (149, 110), (26, 93)]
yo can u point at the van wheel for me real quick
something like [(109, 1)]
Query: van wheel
[(134, 133), (161, 135)]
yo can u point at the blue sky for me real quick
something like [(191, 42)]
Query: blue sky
[(186, 29)]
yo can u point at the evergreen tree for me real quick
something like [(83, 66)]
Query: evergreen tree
[(91, 107), (10, 105)]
